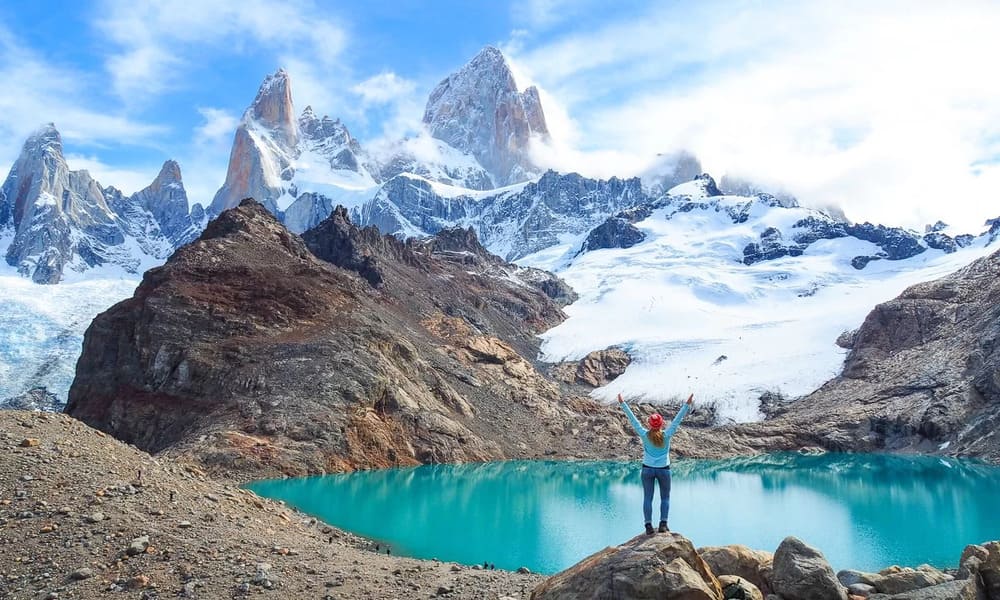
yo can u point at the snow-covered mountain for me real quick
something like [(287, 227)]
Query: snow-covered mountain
[(734, 297), (480, 111), (277, 157), (57, 224), (478, 129)]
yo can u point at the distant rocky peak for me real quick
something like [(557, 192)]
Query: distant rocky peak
[(479, 110), (45, 138), (273, 107), (316, 128), (533, 111), (170, 173)]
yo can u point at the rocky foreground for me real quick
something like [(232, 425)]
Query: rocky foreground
[(668, 567), (83, 515)]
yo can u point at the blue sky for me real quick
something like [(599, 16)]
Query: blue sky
[(890, 110)]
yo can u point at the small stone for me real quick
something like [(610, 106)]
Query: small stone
[(96, 517), (213, 497), (524, 571), (455, 568), (139, 582), (443, 591), (184, 524), (29, 442), (81, 574), (49, 528), (138, 545)]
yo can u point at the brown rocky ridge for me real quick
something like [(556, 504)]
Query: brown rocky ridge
[(258, 353)]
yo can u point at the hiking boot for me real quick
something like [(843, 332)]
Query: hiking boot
[(649, 529), (663, 527)]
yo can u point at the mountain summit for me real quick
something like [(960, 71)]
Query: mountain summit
[(60, 219), (273, 108), (479, 110)]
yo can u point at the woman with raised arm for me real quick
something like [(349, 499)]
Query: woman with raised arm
[(656, 459)]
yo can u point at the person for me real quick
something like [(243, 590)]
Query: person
[(656, 459)]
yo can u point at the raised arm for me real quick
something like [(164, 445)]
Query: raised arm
[(631, 417), (676, 423)]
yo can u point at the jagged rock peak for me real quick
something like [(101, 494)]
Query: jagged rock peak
[(479, 110), (45, 137), (338, 241), (273, 106), (169, 173)]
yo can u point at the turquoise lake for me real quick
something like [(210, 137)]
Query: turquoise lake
[(863, 511)]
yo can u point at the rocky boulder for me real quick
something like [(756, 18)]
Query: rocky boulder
[(801, 572), (754, 566), (663, 566), (737, 588), (982, 562)]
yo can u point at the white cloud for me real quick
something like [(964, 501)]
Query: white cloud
[(887, 110), (383, 88), (156, 39), (218, 126), (39, 92), (128, 181)]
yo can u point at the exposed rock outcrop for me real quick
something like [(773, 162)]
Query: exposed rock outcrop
[(802, 573), (596, 369), (660, 566), (754, 566)]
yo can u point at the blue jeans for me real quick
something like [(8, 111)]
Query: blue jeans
[(649, 476)]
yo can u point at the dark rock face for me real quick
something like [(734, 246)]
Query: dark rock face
[(336, 241), (769, 248), (247, 353), (940, 241), (613, 233), (34, 399), (896, 243)]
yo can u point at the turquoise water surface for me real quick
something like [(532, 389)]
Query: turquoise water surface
[(862, 511)]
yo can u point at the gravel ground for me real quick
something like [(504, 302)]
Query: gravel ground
[(83, 515)]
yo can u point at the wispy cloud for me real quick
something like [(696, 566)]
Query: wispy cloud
[(218, 126), (128, 181), (39, 92), (383, 88), (154, 40), (883, 109)]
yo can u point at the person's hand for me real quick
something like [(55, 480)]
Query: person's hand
[(690, 400), (620, 399)]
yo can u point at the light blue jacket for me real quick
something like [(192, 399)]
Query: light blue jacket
[(652, 455)]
